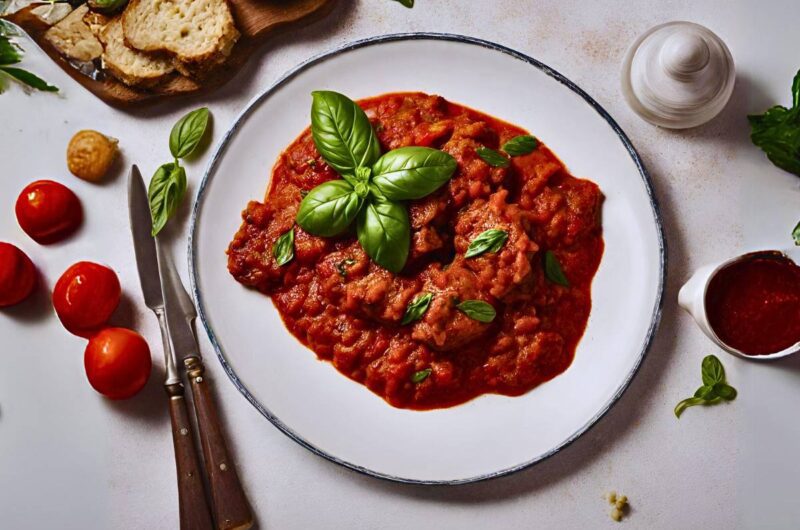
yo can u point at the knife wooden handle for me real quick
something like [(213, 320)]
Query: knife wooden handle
[(231, 508), (194, 512)]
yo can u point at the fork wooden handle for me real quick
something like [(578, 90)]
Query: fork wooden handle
[(194, 512), (231, 508)]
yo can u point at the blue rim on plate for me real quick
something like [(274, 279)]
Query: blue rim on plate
[(198, 297)]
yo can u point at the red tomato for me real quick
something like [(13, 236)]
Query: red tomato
[(85, 296), (117, 362), (17, 275), (48, 211)]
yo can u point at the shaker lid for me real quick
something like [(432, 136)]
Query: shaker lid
[(678, 75)]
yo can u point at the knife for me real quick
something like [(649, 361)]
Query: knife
[(194, 512), (229, 503)]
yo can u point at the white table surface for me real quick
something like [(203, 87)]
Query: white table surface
[(70, 459)]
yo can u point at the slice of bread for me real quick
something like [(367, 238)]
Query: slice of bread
[(130, 66), (73, 38), (198, 33)]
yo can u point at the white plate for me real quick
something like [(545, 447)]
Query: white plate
[(343, 421)]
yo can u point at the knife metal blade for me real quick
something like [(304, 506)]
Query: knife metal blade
[(146, 251), (179, 307)]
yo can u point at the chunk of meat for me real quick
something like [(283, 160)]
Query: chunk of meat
[(444, 327), (496, 272)]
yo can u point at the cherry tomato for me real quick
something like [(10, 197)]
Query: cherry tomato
[(17, 275), (85, 297), (48, 211), (117, 362)]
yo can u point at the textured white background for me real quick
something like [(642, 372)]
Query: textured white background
[(72, 460)]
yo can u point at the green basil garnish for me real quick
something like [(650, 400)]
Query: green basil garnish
[(329, 208), (777, 132), (166, 190), (488, 241), (520, 145), (187, 133), (384, 233), (712, 371), (371, 184), (342, 133), (412, 172), (11, 53), (283, 249), (553, 270), (168, 185), (492, 157), (421, 376), (477, 310), (714, 389), (417, 308), (796, 234), (341, 267)]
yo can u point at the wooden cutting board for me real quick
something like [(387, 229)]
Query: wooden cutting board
[(255, 19)]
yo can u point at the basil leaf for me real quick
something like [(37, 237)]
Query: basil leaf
[(725, 391), (342, 133), (492, 157), (33, 81), (165, 193), (188, 132), (796, 234), (712, 371), (553, 270), (777, 132), (421, 376), (412, 172), (488, 241), (384, 233), (407, 3), (477, 310), (329, 208), (341, 267), (520, 145), (706, 392), (686, 403), (9, 54), (417, 308), (283, 249)]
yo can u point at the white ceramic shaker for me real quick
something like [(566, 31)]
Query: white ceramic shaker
[(678, 75)]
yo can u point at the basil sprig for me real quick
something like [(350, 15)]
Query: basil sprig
[(477, 310), (777, 132), (11, 54), (168, 185), (796, 234), (283, 249), (488, 241), (372, 185), (714, 389), (417, 308), (553, 270)]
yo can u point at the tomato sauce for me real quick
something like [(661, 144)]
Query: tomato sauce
[(348, 310), (753, 305)]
